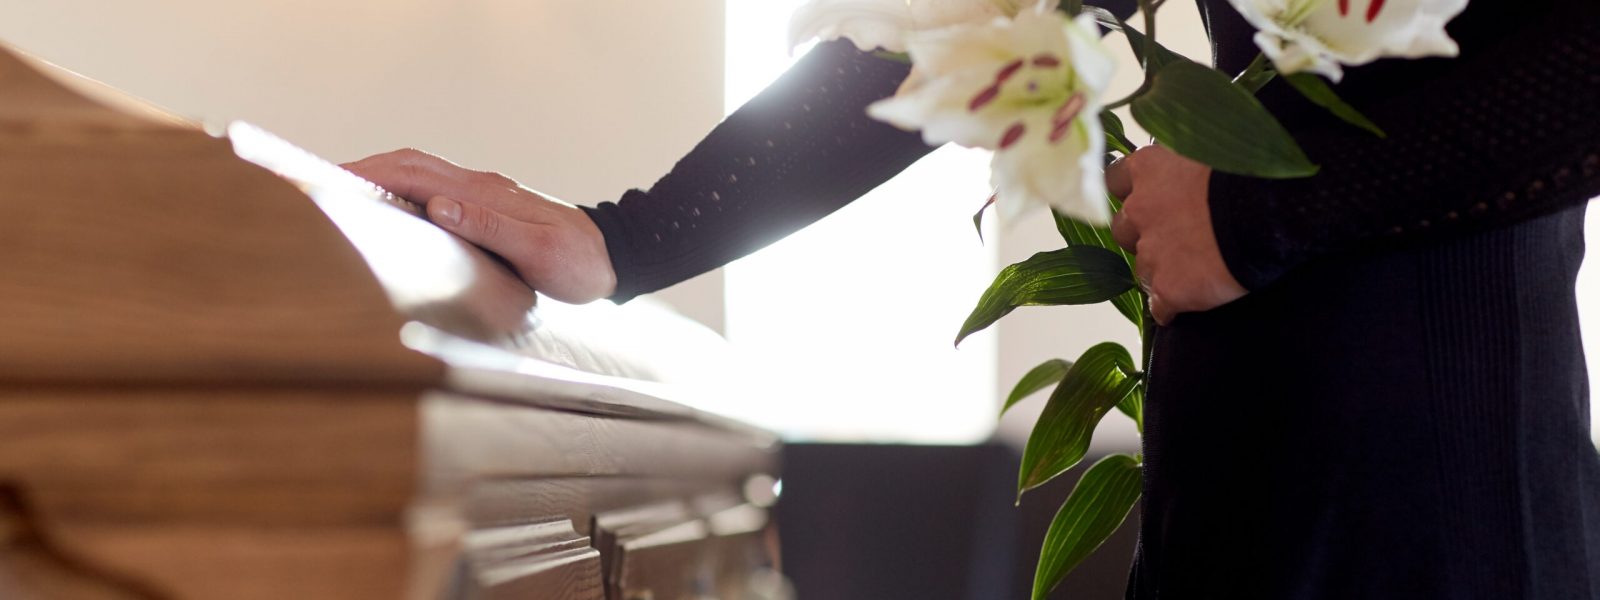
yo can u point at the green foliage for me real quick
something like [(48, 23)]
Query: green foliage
[(1048, 373), (1320, 93), (1199, 113), (899, 57), (1257, 75), (1097, 507), (1133, 406), (1094, 384), (977, 217), (1075, 275), (1116, 135), (1078, 233)]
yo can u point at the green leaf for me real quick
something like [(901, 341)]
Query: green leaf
[(1116, 135), (1076, 275), (1105, 18), (1320, 93), (1197, 112), (1094, 384), (1048, 373), (1099, 503), (1133, 406), (977, 217), (1257, 75), (899, 57), (1078, 233)]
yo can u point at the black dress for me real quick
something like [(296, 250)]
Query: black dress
[(1398, 409)]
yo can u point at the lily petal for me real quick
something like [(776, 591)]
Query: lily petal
[(1065, 175), (869, 24), (1321, 35)]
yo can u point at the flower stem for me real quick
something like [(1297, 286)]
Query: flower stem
[(1147, 340), (1257, 74), (1148, 7)]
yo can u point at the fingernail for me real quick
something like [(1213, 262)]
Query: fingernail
[(445, 211)]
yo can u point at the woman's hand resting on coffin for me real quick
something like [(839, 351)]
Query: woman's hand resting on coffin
[(553, 245)]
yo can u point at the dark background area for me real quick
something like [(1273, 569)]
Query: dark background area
[(886, 522)]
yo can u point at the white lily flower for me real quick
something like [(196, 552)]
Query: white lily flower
[(1321, 35), (1028, 88), (885, 23)]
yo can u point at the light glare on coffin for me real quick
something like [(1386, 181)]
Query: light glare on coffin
[(395, 245)]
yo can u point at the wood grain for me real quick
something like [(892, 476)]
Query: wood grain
[(468, 439), (220, 493), (250, 563), (231, 378), (538, 561), (138, 250), (273, 457)]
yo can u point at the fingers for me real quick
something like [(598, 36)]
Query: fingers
[(478, 224), (413, 174), (1118, 181), (1124, 232), (1160, 309)]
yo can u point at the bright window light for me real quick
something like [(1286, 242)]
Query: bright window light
[(849, 323)]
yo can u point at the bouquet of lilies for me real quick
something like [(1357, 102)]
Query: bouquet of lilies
[(1027, 80)]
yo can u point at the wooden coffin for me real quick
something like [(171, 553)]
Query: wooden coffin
[(230, 369)]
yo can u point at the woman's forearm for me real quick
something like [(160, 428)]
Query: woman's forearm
[(798, 151)]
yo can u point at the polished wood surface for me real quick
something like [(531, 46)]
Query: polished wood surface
[(232, 370), (137, 249)]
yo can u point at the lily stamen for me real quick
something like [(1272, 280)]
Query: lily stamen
[(1062, 120), (1007, 71), (1013, 134), (984, 98), (1372, 10)]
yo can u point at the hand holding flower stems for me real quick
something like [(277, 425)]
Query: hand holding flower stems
[(1166, 222), (1026, 81)]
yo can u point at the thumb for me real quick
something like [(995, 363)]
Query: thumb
[(478, 224)]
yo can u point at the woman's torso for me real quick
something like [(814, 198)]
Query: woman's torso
[(1401, 423)]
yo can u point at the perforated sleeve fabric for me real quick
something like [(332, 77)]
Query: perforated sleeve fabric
[(1506, 132), (798, 151)]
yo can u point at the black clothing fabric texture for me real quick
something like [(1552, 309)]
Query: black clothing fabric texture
[(1398, 409), (1504, 132), (801, 149)]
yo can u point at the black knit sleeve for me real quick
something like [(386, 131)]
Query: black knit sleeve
[(798, 151), (1505, 132)]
